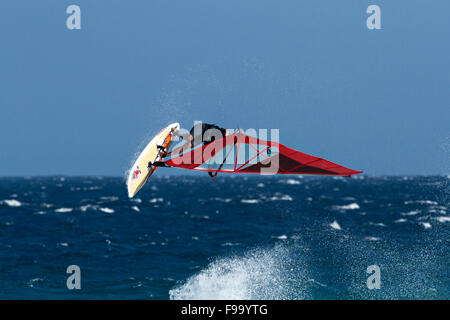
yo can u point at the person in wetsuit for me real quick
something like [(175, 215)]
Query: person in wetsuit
[(200, 133)]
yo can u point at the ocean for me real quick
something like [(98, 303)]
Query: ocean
[(238, 237)]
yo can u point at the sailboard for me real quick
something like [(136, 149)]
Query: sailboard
[(144, 166)]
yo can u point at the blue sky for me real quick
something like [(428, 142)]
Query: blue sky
[(82, 102)]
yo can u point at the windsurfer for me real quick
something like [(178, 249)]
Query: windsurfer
[(201, 132)]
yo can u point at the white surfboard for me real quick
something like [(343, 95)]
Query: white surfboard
[(140, 172)]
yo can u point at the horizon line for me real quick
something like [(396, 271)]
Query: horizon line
[(225, 175)]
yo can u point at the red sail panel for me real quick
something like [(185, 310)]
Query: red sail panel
[(245, 154)]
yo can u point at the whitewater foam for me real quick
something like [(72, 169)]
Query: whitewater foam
[(372, 239), (410, 213), (290, 181), (12, 203), (110, 198), (284, 197), (106, 210), (258, 274), (422, 202), (226, 200), (426, 225), (282, 237), (335, 225), (377, 224), (88, 207), (443, 219), (63, 210), (351, 206), (249, 201)]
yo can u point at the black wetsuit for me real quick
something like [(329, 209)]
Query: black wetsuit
[(207, 133)]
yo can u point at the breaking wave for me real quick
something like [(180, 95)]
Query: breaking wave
[(258, 274)]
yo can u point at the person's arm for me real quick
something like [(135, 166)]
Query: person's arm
[(186, 137)]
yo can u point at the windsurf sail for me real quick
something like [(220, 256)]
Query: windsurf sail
[(240, 153)]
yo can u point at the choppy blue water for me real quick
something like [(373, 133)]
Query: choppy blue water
[(236, 238)]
